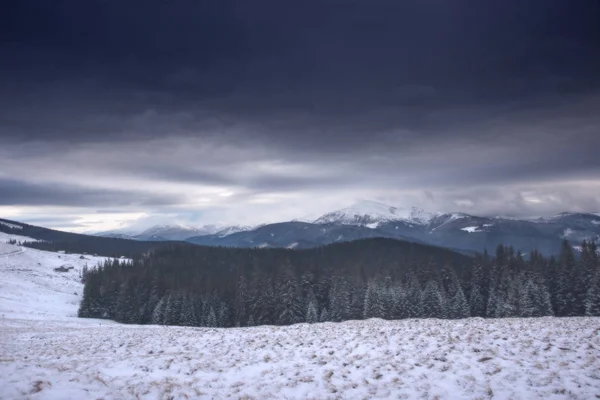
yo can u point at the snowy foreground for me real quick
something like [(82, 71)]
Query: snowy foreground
[(47, 353), (545, 358)]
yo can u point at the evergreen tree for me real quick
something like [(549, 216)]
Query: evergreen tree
[(173, 310), (211, 317), (324, 315), (339, 299), (413, 297), (433, 304), (592, 301), (158, 315), (242, 301), (564, 299), (312, 307), (188, 313), (477, 303), (125, 308), (399, 302), (589, 267), (223, 317), (456, 302), (374, 306), (290, 308)]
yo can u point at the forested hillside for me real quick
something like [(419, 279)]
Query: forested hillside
[(222, 287), (53, 240)]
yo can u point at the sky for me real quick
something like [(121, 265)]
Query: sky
[(116, 113)]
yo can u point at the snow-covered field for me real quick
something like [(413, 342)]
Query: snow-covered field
[(46, 353), (543, 358), (29, 286)]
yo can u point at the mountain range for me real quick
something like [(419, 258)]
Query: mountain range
[(365, 219), (159, 233)]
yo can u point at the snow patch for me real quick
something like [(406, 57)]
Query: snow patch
[(471, 229), (12, 226), (5, 237), (233, 229), (293, 245), (568, 232)]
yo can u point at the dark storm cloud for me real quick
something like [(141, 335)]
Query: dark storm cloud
[(272, 97), (17, 193), (316, 63)]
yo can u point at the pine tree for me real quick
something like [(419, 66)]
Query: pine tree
[(592, 301), (312, 307), (456, 302), (506, 296), (374, 306), (339, 299), (153, 299), (324, 315), (125, 307), (544, 304), (477, 301), (211, 317), (173, 310), (587, 276), (158, 315), (241, 302), (223, 317), (188, 314), (433, 305), (399, 301), (498, 265), (414, 300), (564, 285), (290, 308)]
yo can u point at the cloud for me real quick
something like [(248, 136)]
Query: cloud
[(257, 112), (21, 193)]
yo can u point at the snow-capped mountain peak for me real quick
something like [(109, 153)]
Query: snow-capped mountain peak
[(370, 213), (175, 232), (233, 229)]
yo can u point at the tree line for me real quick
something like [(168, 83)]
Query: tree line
[(374, 278), (52, 240)]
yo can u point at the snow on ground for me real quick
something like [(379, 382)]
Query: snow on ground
[(47, 353), (471, 229), (30, 288), (12, 226), (545, 358), (5, 237)]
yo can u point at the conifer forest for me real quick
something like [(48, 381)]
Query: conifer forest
[(374, 278)]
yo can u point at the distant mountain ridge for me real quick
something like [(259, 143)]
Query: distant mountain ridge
[(458, 231), (368, 219), (172, 232)]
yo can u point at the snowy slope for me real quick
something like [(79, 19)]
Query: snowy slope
[(545, 358), (29, 286), (173, 232), (9, 225), (370, 213), (230, 230)]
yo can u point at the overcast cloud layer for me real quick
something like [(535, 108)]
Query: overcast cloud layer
[(242, 112)]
